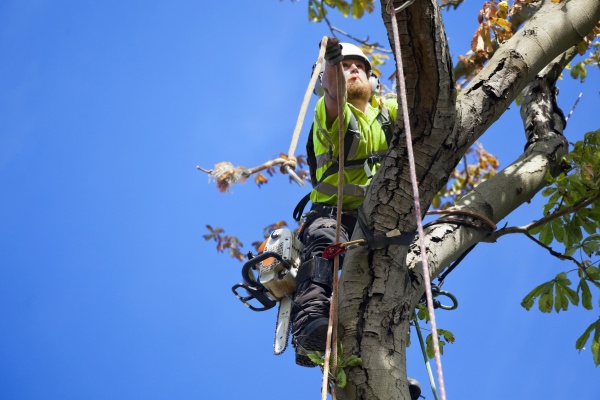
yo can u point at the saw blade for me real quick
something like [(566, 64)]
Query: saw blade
[(282, 328)]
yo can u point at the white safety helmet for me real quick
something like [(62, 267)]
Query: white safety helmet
[(351, 51)]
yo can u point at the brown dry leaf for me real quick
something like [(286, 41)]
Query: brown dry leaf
[(260, 179)]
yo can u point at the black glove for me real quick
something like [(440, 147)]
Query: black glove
[(333, 51)]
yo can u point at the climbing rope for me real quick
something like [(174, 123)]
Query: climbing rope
[(333, 318), (291, 164), (413, 177)]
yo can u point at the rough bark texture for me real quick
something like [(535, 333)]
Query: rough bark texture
[(380, 288)]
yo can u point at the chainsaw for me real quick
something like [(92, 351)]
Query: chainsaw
[(270, 278)]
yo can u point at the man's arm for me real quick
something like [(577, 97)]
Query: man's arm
[(333, 56)]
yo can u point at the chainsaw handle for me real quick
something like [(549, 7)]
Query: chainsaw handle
[(255, 260), (259, 294)]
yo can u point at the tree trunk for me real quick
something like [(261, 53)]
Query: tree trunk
[(380, 288)]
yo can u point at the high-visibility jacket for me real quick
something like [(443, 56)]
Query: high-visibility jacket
[(365, 143)]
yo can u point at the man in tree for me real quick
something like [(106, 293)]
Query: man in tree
[(366, 122)]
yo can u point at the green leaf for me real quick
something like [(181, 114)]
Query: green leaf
[(578, 71), (558, 230), (353, 361), (358, 9), (582, 340), (546, 300), (536, 230), (593, 272), (590, 226), (586, 295), (572, 295), (423, 313), (340, 378), (448, 336), (546, 236), (574, 232), (548, 191), (441, 344), (343, 7), (429, 346), (317, 358), (591, 245), (529, 299), (596, 344), (560, 301)]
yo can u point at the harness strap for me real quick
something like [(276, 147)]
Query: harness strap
[(376, 241), (299, 210)]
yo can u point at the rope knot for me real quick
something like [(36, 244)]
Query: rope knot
[(289, 162)]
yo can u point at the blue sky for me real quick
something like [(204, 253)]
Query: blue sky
[(107, 288)]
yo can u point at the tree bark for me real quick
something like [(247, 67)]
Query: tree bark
[(379, 288)]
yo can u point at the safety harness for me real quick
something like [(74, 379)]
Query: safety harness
[(352, 134)]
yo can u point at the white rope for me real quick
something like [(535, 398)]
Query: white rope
[(415, 187)]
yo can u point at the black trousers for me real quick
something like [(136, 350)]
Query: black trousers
[(318, 233), (312, 299)]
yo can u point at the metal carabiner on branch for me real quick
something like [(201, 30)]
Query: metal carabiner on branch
[(439, 292), (436, 292)]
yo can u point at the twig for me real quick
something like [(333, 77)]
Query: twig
[(246, 172), (562, 256), (526, 228)]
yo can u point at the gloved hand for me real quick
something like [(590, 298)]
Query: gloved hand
[(333, 51)]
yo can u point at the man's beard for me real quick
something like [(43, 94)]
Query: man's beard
[(358, 90)]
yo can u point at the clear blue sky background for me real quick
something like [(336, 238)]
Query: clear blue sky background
[(108, 289)]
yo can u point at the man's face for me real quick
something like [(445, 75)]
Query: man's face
[(357, 81)]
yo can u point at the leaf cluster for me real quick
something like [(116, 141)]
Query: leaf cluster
[(342, 364), (495, 27), (590, 42), (558, 293), (444, 336), (572, 218), (318, 9), (573, 205), (498, 21), (228, 243)]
